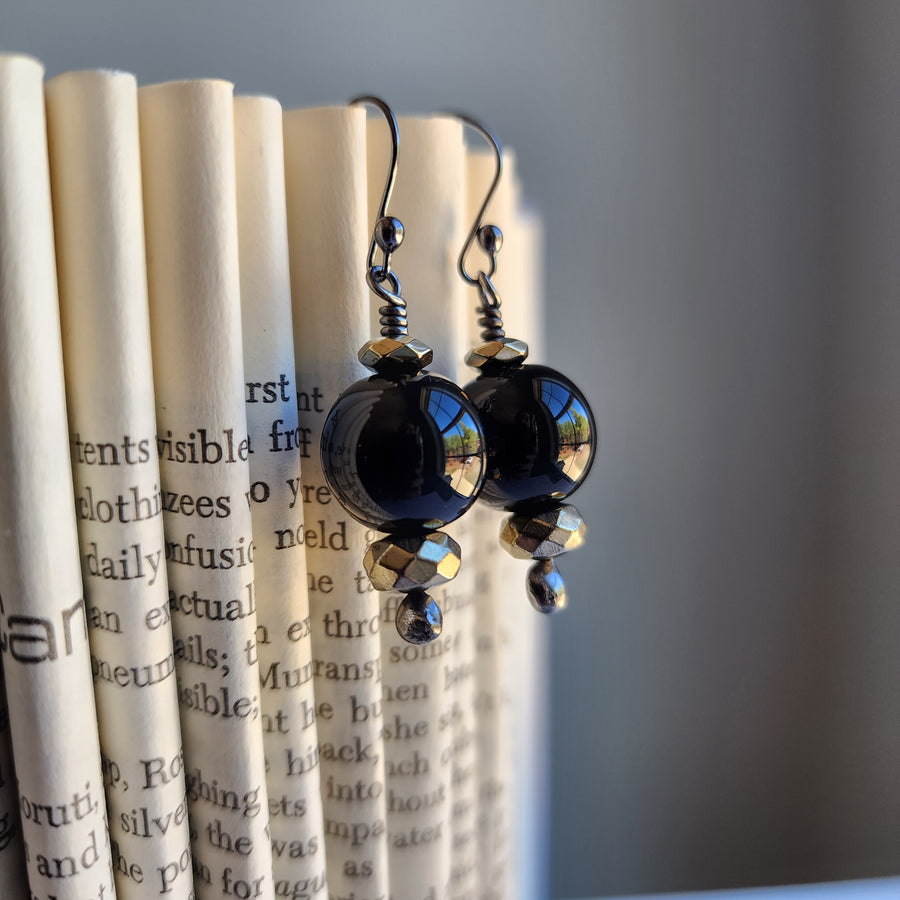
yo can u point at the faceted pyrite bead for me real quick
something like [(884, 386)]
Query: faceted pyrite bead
[(493, 355), (419, 618), (546, 589), (404, 455), (540, 436), (418, 561), (395, 356), (545, 534)]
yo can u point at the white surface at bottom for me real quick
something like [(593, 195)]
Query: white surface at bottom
[(875, 889)]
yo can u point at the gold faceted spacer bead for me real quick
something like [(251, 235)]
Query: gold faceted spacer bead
[(498, 353), (405, 563), (389, 356), (544, 535)]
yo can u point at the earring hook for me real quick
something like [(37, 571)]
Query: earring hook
[(490, 238), (387, 235), (388, 231)]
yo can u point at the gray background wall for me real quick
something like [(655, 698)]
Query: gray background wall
[(721, 189)]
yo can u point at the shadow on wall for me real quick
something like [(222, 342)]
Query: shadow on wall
[(725, 703)]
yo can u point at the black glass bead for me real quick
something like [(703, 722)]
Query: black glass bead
[(540, 436), (404, 455)]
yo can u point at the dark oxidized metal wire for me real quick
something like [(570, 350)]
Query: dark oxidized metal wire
[(392, 316), (479, 219), (386, 111), (490, 239), (490, 320), (386, 235)]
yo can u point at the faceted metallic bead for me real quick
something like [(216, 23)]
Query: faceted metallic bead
[(540, 436), (395, 356), (497, 354), (418, 561), (546, 589), (404, 455), (419, 619), (546, 534)]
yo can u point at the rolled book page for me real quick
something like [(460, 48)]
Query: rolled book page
[(528, 633), (187, 147), (283, 643), (43, 631), (421, 707), (13, 877), (464, 604), (95, 169), (328, 232), (496, 577), (517, 797)]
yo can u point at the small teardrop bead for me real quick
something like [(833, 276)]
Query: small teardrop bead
[(546, 588), (419, 619)]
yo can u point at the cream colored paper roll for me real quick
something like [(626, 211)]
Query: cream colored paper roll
[(525, 632), (497, 576), (284, 641), (43, 632), (95, 169), (512, 665), (187, 147), (423, 684), (328, 231)]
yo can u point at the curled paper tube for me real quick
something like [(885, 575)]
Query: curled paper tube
[(188, 158), (47, 663), (429, 192), (284, 641), (328, 232), (96, 178)]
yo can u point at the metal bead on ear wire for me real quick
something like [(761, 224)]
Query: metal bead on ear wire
[(538, 427), (403, 450)]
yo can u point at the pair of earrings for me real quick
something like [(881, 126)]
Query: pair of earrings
[(406, 451)]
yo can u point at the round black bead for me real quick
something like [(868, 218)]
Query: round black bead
[(540, 436), (404, 455)]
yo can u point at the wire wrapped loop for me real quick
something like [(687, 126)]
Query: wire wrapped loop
[(386, 286), (490, 320)]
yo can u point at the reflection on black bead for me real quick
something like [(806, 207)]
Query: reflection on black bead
[(540, 436), (419, 619), (404, 455), (546, 588)]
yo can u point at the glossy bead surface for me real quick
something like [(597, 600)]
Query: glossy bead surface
[(415, 561), (546, 588), (549, 533), (540, 436), (405, 455), (419, 619)]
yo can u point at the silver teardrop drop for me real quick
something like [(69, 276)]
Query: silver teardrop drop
[(546, 588), (419, 619)]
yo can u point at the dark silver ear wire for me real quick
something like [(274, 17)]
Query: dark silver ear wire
[(387, 235), (538, 426), (490, 240), (403, 450)]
